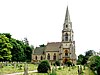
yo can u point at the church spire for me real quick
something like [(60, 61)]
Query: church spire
[(67, 16), (67, 23)]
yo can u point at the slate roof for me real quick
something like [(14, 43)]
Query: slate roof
[(53, 46), (39, 50)]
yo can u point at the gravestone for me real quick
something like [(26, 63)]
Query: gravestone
[(84, 67), (69, 68), (78, 70), (1, 66), (25, 69), (14, 64)]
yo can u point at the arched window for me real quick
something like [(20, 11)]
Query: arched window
[(36, 57), (48, 57), (66, 37), (41, 58), (54, 56)]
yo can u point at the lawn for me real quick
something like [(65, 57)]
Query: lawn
[(60, 71), (88, 72), (74, 71), (10, 69), (68, 71)]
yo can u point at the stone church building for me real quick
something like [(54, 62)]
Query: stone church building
[(63, 51)]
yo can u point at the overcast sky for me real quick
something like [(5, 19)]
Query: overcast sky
[(41, 21)]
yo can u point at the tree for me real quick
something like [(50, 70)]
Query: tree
[(28, 52), (42, 45), (94, 63), (17, 50), (32, 47), (8, 35), (81, 59), (14, 50), (5, 48), (21, 51), (88, 54), (26, 41)]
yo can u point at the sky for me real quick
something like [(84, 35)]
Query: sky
[(41, 21)]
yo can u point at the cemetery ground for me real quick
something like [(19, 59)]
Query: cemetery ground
[(8, 68), (19, 68), (67, 71)]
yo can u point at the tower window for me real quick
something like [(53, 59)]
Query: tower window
[(66, 26), (66, 37)]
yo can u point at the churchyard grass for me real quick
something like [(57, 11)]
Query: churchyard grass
[(87, 71), (19, 67), (60, 71), (68, 71), (74, 71)]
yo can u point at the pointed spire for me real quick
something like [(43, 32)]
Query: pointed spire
[(67, 16)]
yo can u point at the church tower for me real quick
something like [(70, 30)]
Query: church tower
[(68, 44), (63, 51)]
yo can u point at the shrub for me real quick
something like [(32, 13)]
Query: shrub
[(57, 63), (68, 63), (59, 68), (43, 67)]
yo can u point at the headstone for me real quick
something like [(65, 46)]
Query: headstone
[(72, 67), (1, 66), (78, 70), (25, 69), (69, 68), (14, 65), (6, 63), (20, 67), (55, 67), (84, 67)]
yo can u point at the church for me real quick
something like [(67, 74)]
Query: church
[(58, 51)]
